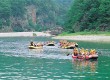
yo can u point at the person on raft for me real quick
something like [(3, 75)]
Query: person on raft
[(32, 44), (75, 51), (39, 44), (83, 52), (93, 52)]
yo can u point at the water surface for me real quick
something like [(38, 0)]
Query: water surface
[(17, 62)]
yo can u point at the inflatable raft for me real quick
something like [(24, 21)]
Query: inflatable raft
[(68, 47), (35, 47), (50, 44), (88, 57)]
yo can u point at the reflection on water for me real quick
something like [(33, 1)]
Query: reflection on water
[(82, 65), (36, 51)]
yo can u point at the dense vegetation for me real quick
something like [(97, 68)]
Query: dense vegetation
[(32, 15), (41, 15), (89, 15)]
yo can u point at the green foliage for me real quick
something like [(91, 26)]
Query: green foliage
[(18, 8), (18, 28), (106, 33), (40, 27), (31, 24), (4, 13), (4, 9), (88, 15), (0, 23), (49, 14), (34, 34)]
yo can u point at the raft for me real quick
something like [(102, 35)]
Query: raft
[(89, 57), (50, 44), (35, 47), (70, 47)]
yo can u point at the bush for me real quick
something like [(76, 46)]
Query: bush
[(34, 34)]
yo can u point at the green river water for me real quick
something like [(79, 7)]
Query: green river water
[(17, 62)]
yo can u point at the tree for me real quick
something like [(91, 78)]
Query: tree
[(88, 15), (4, 12), (18, 8)]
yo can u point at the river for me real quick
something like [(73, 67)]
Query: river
[(17, 62)]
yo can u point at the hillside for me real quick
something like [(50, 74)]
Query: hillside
[(88, 15), (32, 15)]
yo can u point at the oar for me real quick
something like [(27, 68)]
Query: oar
[(68, 54)]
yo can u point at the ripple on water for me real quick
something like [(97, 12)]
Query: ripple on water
[(18, 50), (20, 63)]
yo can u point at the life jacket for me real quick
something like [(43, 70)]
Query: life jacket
[(75, 51)]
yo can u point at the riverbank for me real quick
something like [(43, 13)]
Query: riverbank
[(23, 34), (96, 38)]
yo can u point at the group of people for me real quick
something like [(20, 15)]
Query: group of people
[(67, 44), (39, 44), (64, 44), (50, 42), (82, 51)]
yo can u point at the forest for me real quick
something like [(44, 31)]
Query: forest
[(32, 15), (88, 15), (42, 15)]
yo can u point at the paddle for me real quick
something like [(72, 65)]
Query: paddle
[(68, 54)]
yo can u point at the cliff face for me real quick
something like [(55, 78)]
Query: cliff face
[(31, 13)]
